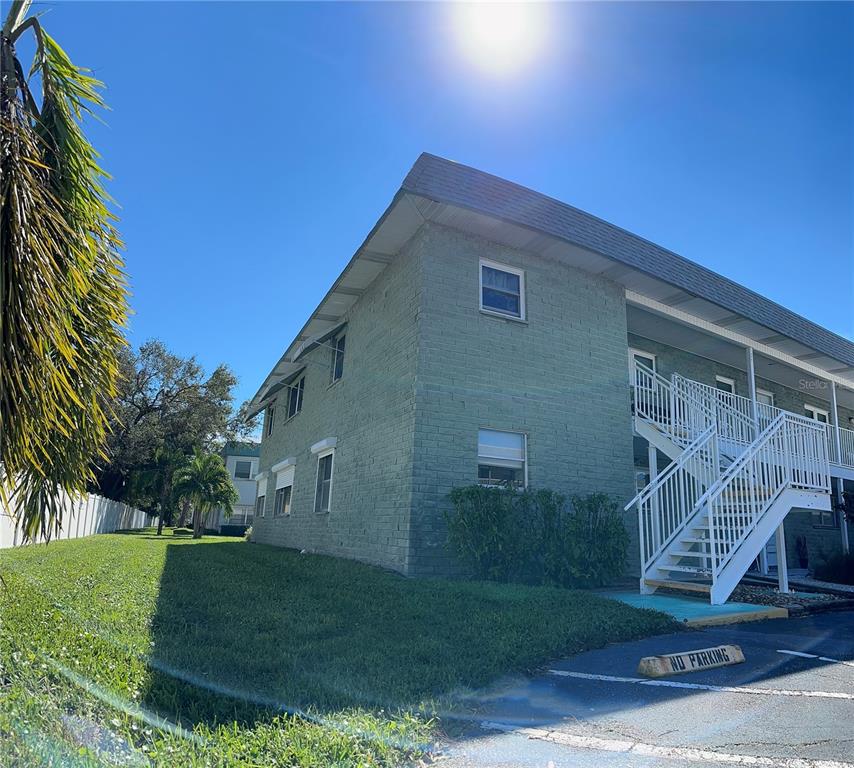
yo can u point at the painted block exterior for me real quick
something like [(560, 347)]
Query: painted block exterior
[(425, 369), (370, 411), (560, 378)]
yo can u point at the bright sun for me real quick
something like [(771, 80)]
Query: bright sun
[(501, 38)]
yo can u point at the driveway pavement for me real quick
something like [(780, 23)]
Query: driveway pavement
[(780, 710)]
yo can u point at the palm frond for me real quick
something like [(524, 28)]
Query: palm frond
[(62, 289)]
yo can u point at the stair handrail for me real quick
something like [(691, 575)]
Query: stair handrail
[(666, 504), (675, 410), (780, 457), (732, 413), (652, 395)]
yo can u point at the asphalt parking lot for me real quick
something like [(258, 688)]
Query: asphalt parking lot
[(789, 705)]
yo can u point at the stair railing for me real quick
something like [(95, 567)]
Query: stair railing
[(668, 502), (651, 396), (732, 413), (673, 407), (790, 452)]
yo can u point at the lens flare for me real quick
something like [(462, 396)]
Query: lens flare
[(501, 38)]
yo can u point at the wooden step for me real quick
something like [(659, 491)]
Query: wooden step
[(695, 540), (687, 586)]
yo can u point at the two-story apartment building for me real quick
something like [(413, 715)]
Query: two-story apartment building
[(486, 333)]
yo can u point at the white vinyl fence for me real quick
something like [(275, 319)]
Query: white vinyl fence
[(84, 517)]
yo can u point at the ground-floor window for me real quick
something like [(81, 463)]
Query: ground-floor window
[(259, 506), (823, 518), (502, 458), (282, 502), (323, 491)]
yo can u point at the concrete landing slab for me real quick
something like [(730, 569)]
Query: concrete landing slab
[(696, 612)]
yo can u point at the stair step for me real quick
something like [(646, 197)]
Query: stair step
[(683, 569), (689, 553), (695, 540), (688, 586)]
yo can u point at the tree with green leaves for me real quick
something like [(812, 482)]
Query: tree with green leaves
[(166, 407), (206, 483), (151, 485), (63, 296)]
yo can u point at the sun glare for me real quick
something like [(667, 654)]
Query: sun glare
[(501, 38)]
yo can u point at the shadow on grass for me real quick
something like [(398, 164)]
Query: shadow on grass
[(244, 631)]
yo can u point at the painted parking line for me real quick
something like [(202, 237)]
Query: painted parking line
[(655, 750), (816, 656), (705, 687)]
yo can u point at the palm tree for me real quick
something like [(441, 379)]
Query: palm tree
[(206, 483), (63, 296)]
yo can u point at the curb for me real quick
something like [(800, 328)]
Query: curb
[(808, 610)]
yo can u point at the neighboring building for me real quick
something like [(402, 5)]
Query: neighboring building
[(241, 460), (486, 333)]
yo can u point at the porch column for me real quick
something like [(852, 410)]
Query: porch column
[(782, 567), (840, 499), (763, 560), (751, 386)]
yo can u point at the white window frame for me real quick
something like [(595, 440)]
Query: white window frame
[(813, 410), (520, 273), (270, 418), (242, 461), (285, 471), (322, 455), (300, 396), (281, 512), (336, 340), (635, 351), (820, 513), (524, 455), (725, 380), (767, 393), (261, 492)]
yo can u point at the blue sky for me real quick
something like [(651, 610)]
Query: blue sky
[(254, 145)]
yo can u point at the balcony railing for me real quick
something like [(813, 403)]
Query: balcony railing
[(734, 413)]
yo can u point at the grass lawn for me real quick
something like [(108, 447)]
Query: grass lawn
[(137, 650)]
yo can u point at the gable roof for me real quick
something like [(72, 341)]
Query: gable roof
[(448, 182)]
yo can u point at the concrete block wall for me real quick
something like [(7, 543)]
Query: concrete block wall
[(371, 412), (560, 377)]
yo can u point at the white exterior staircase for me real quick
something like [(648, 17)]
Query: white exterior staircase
[(734, 477)]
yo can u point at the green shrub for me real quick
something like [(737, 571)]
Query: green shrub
[(532, 536), (836, 568), (482, 531)]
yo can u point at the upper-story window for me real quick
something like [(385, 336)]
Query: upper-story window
[(819, 414), (271, 417), (295, 391), (338, 357), (242, 470), (764, 397), (725, 384), (502, 289)]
